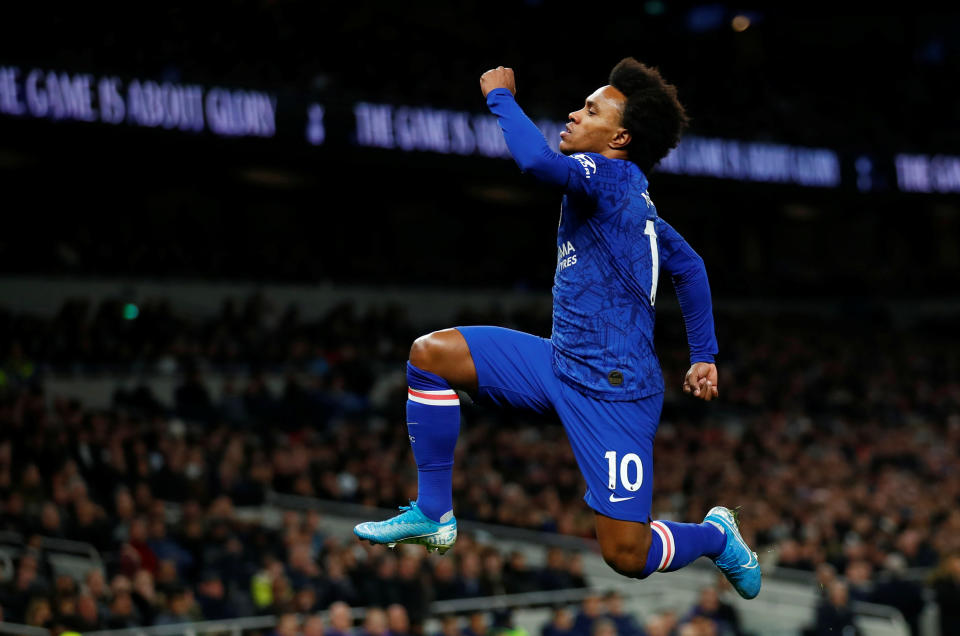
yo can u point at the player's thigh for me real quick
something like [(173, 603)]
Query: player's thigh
[(513, 368), (613, 445)]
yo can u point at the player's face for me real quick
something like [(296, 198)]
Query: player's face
[(593, 127)]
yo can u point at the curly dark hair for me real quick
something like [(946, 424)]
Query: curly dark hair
[(653, 114)]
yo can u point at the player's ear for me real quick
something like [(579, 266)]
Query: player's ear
[(621, 139)]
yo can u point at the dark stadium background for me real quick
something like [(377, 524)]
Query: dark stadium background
[(836, 307)]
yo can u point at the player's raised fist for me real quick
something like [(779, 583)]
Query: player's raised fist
[(499, 77)]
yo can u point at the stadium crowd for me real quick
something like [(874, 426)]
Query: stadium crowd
[(858, 456)]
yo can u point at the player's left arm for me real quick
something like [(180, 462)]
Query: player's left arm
[(689, 275)]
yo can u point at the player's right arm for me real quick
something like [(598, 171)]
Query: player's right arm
[(526, 143)]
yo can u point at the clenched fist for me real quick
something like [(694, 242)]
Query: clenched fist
[(499, 77), (701, 381)]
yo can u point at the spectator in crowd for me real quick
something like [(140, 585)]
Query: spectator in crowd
[(180, 608), (341, 619), (375, 623), (591, 610), (946, 586), (894, 589), (398, 622), (449, 625), (446, 585), (123, 613), (287, 625), (662, 624), (39, 613), (711, 607), (477, 625), (625, 623), (561, 623), (212, 599), (604, 627), (834, 615), (313, 626), (517, 576)]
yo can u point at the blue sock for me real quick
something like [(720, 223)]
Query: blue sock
[(675, 545), (433, 423)]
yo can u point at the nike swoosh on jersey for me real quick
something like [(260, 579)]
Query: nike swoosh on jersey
[(615, 499)]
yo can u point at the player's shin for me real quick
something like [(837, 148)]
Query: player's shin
[(675, 545), (433, 424)]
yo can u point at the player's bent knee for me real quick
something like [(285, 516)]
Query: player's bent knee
[(626, 558), (426, 352), (440, 352)]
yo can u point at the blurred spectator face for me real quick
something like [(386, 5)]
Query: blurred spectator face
[(211, 588), (166, 572), (709, 600), (492, 564), (305, 600), (859, 572), (953, 567), (50, 518), (592, 606), (38, 612), (826, 575), (604, 627), (120, 584), (478, 623), (387, 568), (340, 618), (181, 603), (122, 605), (397, 620), (614, 603), (123, 504), (86, 512), (87, 609), (839, 595), (443, 570), (287, 625), (157, 529), (313, 626), (408, 568), (555, 560), (470, 565), (66, 605), (143, 584), (518, 562), (138, 530), (661, 625), (562, 619), (575, 564), (96, 583), (450, 626), (375, 622), (26, 572), (65, 585)]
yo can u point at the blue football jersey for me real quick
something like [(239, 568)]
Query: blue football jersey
[(611, 246)]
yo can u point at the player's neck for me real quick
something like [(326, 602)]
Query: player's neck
[(614, 153)]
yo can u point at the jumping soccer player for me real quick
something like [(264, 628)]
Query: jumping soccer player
[(598, 372)]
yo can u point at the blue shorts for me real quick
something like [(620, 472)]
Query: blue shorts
[(612, 441)]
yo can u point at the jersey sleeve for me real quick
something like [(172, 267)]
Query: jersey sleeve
[(689, 276), (577, 174)]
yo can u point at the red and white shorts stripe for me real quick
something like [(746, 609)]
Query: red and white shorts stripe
[(666, 539), (446, 397)]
